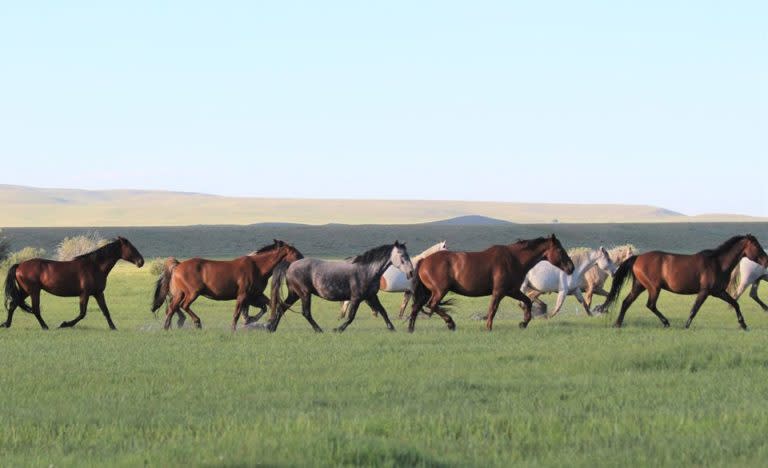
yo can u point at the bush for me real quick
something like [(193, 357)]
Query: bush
[(71, 247), (156, 266), (24, 254), (5, 246)]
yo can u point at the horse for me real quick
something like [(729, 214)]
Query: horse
[(545, 278), (595, 277), (748, 273), (83, 276), (243, 279), (498, 271), (355, 281), (394, 280), (705, 274)]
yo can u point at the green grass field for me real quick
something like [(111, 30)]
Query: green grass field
[(568, 391)]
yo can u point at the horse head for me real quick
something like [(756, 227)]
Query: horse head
[(604, 261), (400, 259), (129, 253), (557, 256), (754, 251)]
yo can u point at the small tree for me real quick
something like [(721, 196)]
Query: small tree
[(71, 247), (19, 256)]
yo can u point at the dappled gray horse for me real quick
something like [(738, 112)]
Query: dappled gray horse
[(356, 280)]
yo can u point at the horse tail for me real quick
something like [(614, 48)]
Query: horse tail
[(421, 295), (619, 278), (14, 297), (278, 278), (163, 285)]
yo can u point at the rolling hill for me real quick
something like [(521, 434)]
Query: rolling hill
[(37, 207)]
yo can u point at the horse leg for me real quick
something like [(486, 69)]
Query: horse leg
[(277, 314), (375, 304), (173, 307), (306, 311), (418, 304), (240, 304), (11, 310), (559, 304), (406, 298), (492, 308), (343, 310), (653, 297), (700, 298), (434, 306), (261, 301), (35, 295), (588, 297), (527, 304), (582, 301), (104, 310), (83, 308), (753, 295), (733, 303), (637, 289), (354, 304)]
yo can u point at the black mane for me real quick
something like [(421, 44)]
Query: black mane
[(529, 243), (99, 253), (267, 248), (376, 254), (725, 246)]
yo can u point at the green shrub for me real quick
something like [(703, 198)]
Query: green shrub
[(19, 256), (156, 266), (5, 246), (71, 247)]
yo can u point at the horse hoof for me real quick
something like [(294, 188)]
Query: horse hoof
[(617, 325), (666, 324), (338, 330), (64, 325), (4, 325), (523, 325)]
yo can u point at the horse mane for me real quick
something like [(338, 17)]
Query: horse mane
[(266, 248), (725, 246), (530, 243), (99, 253), (579, 254), (376, 254)]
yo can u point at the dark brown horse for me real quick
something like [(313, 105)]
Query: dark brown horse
[(242, 279), (498, 271), (83, 277), (705, 274)]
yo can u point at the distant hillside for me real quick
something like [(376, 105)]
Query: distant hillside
[(37, 207), (471, 220)]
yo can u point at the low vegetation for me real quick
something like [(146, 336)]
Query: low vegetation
[(567, 391)]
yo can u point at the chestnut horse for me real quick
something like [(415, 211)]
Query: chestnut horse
[(242, 279), (498, 271), (705, 274), (84, 276)]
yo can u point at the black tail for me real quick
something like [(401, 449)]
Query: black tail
[(622, 275), (163, 285), (278, 278), (421, 295), (13, 295)]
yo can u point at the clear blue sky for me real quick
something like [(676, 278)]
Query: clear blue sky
[(653, 102)]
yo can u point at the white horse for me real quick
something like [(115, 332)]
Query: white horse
[(545, 278), (394, 280), (748, 273)]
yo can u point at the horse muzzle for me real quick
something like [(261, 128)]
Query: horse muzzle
[(140, 262)]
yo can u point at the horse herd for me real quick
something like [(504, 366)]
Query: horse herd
[(522, 270)]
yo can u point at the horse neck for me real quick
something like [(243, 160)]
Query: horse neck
[(377, 269), (583, 263), (267, 261), (108, 262), (731, 257)]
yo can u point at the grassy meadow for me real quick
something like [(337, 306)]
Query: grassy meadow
[(567, 391)]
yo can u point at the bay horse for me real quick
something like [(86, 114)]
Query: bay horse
[(705, 274), (545, 278), (243, 279), (394, 280), (355, 281), (498, 271), (83, 277)]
